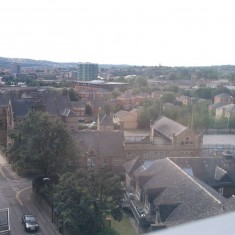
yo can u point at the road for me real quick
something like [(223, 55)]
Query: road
[(16, 194)]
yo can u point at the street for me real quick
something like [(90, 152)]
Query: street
[(16, 194)]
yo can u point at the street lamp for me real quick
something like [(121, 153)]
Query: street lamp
[(52, 202), (228, 121)]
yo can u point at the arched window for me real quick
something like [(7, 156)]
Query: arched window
[(188, 141)]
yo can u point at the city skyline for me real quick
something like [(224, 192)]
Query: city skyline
[(153, 32)]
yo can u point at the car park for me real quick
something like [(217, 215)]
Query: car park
[(30, 223)]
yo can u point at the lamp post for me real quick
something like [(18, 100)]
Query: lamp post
[(228, 121), (52, 202)]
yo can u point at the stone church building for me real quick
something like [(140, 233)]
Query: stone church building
[(167, 138)]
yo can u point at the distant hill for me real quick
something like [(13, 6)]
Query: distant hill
[(7, 62)]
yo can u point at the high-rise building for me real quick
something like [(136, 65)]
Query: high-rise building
[(87, 71), (15, 69)]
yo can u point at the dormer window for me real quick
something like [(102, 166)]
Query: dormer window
[(165, 210), (221, 190)]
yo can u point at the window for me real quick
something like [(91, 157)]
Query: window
[(91, 161), (221, 190)]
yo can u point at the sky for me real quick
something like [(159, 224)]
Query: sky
[(134, 32)]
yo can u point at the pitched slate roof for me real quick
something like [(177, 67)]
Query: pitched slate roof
[(211, 171), (106, 144), (21, 107), (106, 120), (222, 95), (4, 100), (76, 104), (154, 193), (186, 197), (132, 165), (121, 113), (220, 173), (55, 104), (229, 108), (69, 113), (167, 127)]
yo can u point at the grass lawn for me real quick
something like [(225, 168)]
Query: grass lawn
[(123, 227)]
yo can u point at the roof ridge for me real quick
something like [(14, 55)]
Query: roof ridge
[(199, 185)]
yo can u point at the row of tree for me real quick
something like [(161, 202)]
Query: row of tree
[(83, 197), (195, 116)]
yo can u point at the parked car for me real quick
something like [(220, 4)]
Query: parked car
[(140, 211), (92, 124), (130, 195), (30, 223)]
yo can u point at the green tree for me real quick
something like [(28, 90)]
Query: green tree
[(201, 118), (73, 96), (220, 90), (115, 94), (221, 123), (181, 114), (204, 93), (135, 91), (173, 88), (150, 112), (86, 197), (42, 143), (168, 97)]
